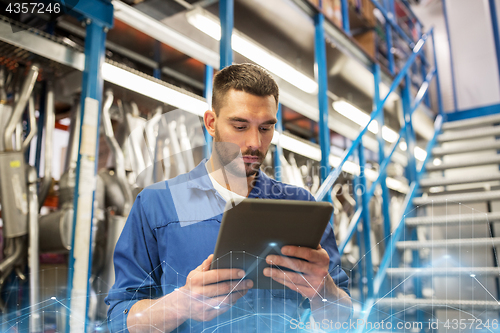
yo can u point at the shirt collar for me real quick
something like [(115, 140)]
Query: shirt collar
[(198, 178)]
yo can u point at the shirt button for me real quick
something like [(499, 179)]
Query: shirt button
[(125, 311)]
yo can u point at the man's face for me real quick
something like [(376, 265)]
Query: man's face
[(245, 124)]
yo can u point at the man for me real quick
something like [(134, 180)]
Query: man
[(162, 259)]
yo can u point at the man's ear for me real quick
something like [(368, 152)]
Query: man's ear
[(209, 120)]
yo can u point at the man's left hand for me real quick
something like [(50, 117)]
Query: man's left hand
[(312, 278)]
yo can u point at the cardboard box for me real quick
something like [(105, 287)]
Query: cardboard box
[(367, 41), (367, 8), (333, 11)]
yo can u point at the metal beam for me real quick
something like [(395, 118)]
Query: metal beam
[(80, 259), (411, 168), (345, 16), (455, 104), (365, 213), (322, 73), (159, 31), (496, 35), (226, 14), (381, 156), (100, 12)]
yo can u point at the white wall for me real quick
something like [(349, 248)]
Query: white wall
[(430, 14), (473, 49), (474, 55)]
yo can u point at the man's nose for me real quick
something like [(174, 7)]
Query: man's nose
[(253, 140)]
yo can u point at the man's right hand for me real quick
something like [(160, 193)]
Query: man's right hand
[(209, 293)]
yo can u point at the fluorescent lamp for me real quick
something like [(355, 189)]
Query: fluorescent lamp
[(420, 154), (359, 117), (289, 143), (356, 115), (389, 135), (163, 33), (251, 50), (160, 92), (313, 152)]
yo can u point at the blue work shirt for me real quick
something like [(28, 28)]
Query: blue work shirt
[(172, 228)]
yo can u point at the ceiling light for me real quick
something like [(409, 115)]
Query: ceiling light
[(389, 135), (289, 143), (251, 50), (146, 87), (359, 117), (436, 161), (420, 154), (356, 115), (313, 152)]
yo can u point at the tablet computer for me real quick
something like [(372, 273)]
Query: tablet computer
[(256, 228)]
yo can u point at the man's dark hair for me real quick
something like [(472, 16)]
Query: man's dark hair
[(249, 78)]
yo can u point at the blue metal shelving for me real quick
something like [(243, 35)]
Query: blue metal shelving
[(98, 17)]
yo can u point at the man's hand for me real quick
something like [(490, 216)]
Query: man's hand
[(208, 293), (312, 280)]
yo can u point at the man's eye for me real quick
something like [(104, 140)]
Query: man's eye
[(265, 129), (239, 127)]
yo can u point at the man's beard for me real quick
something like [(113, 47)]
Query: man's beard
[(230, 157)]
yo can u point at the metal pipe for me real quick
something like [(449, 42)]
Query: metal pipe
[(135, 137), (27, 88), (50, 120), (9, 262), (32, 123), (33, 262), (117, 152), (74, 134), (18, 136)]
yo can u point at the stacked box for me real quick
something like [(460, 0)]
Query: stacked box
[(333, 10)]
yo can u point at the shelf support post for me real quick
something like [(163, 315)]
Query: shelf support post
[(381, 155), (365, 202), (322, 77), (226, 14), (80, 258)]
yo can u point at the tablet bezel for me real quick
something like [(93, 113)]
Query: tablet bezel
[(268, 234)]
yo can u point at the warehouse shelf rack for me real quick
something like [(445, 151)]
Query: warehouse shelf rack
[(90, 62)]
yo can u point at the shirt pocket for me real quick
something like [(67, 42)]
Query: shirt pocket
[(183, 248)]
